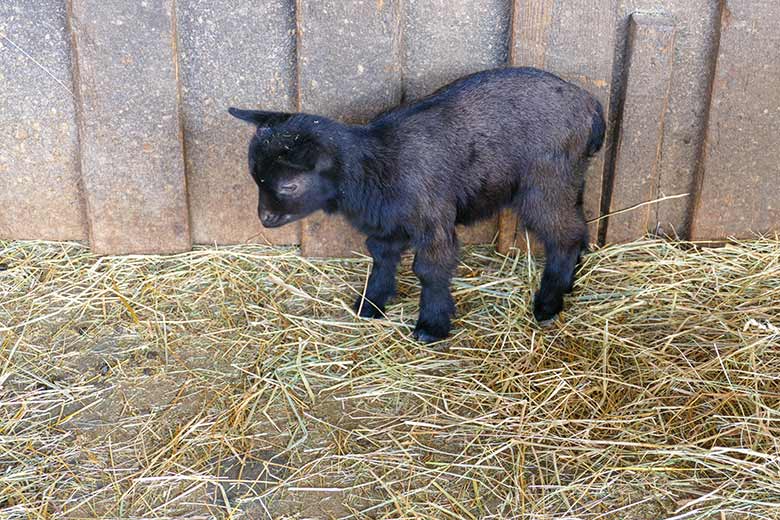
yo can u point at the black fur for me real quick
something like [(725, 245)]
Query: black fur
[(513, 137)]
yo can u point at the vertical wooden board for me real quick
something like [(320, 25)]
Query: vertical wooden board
[(530, 32), (325, 236), (130, 133), (39, 166), (231, 53), (581, 49), (574, 39), (483, 232), (740, 189), (508, 225), (445, 40), (639, 145), (528, 40), (513, 235), (348, 69), (696, 23)]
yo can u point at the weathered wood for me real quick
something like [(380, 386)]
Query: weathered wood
[(39, 165), (483, 232), (330, 236), (696, 23), (684, 129), (130, 134), (349, 69), (639, 145), (126, 113), (528, 37), (447, 39), (581, 49), (575, 40), (740, 188), (530, 33), (231, 53)]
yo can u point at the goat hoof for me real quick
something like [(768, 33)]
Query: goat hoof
[(546, 324), (429, 333), (366, 309), (545, 312)]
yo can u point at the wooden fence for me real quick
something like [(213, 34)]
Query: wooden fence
[(113, 123)]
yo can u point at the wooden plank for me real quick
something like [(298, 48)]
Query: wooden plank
[(528, 40), (581, 49), (217, 72), (739, 187), (483, 232), (638, 148), (349, 69), (448, 39), (695, 45), (695, 42), (39, 165), (508, 225), (531, 23), (575, 40), (130, 133), (331, 236)]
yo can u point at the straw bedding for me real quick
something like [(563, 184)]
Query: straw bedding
[(235, 382)]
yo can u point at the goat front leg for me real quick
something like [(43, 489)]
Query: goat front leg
[(381, 282), (434, 265)]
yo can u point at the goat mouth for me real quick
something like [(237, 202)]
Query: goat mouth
[(276, 221)]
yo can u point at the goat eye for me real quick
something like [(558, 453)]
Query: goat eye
[(288, 188)]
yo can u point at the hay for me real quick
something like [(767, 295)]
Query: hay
[(234, 382)]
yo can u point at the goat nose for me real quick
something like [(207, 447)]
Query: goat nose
[(268, 218)]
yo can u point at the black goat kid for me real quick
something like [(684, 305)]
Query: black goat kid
[(512, 137)]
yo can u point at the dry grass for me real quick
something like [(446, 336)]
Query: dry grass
[(233, 382)]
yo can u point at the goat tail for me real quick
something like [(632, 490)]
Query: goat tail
[(598, 128)]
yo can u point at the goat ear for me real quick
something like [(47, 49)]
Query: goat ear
[(261, 118)]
